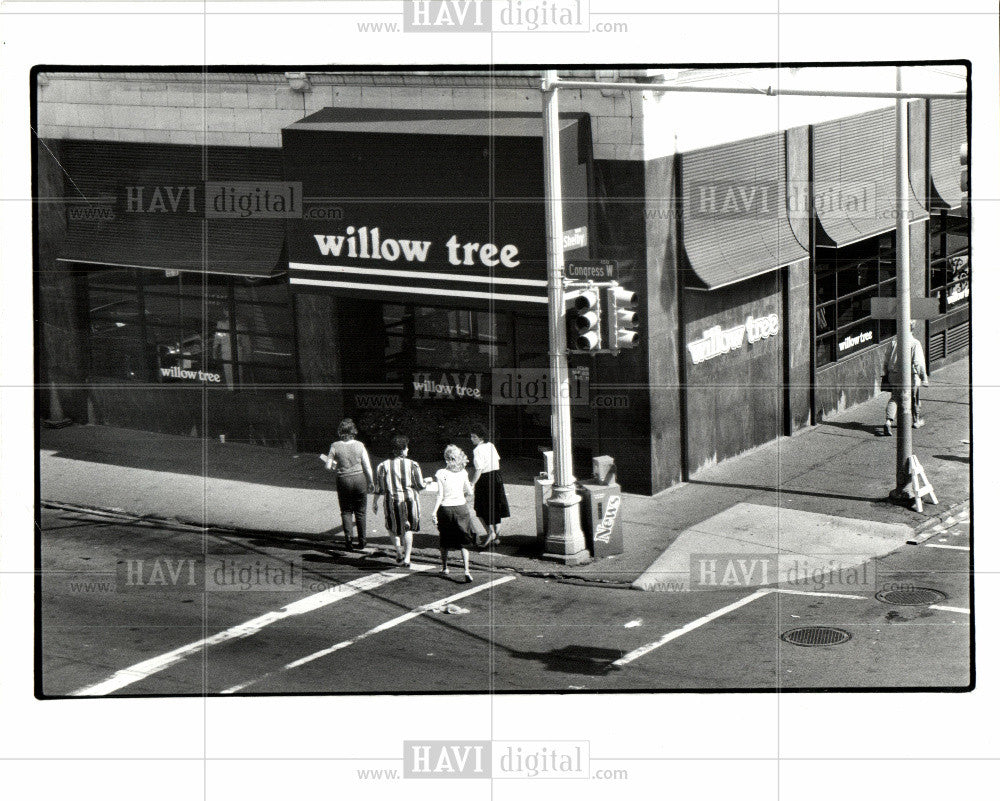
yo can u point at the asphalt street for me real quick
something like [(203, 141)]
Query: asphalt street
[(132, 609)]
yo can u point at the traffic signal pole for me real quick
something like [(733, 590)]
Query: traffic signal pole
[(564, 541), (904, 440)]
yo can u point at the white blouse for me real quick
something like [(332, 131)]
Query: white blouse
[(485, 457), (454, 485)]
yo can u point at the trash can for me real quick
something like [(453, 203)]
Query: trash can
[(602, 518), (543, 491)]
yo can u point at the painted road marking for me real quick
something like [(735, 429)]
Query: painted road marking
[(389, 624), (142, 670), (949, 547), (642, 650), (694, 624), (821, 594), (950, 609)]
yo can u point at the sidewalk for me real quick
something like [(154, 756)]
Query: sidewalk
[(838, 468)]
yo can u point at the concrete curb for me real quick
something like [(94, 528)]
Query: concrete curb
[(921, 533), (934, 525), (180, 524)]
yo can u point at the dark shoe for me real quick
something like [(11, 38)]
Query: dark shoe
[(468, 578), (362, 543), (348, 546)]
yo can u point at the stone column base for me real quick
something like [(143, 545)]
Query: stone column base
[(564, 541)]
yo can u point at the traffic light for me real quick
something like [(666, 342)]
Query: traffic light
[(621, 317), (963, 177), (583, 321)]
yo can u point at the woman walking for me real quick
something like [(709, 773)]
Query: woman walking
[(400, 480), (354, 480), (451, 511), (490, 502)]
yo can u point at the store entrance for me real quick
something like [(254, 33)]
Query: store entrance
[(440, 370)]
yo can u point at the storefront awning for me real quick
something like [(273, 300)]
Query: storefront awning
[(223, 247), (948, 132), (854, 178), (134, 204), (736, 212), (416, 122), (436, 207)]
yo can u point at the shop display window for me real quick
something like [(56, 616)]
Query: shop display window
[(846, 281), (170, 327), (950, 262)]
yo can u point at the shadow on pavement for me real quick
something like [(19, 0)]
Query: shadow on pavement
[(581, 660), (786, 491), (949, 458), (211, 459), (853, 425)]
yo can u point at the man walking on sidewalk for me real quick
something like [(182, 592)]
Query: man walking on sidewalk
[(893, 371)]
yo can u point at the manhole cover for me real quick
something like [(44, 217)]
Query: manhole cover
[(816, 635), (914, 596)]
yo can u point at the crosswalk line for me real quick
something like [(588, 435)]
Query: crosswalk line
[(389, 624), (957, 609), (143, 670), (642, 650)]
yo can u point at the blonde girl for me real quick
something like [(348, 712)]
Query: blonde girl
[(451, 510)]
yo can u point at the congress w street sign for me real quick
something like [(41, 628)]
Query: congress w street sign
[(591, 270)]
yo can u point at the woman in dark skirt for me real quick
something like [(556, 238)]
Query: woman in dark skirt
[(490, 502), (454, 521)]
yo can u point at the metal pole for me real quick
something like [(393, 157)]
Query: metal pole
[(748, 90), (564, 540), (904, 442)]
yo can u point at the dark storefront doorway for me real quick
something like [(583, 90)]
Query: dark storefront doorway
[(430, 371)]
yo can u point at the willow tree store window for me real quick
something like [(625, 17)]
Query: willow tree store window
[(172, 327), (950, 266), (846, 280)]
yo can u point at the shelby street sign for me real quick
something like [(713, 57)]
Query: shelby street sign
[(920, 308), (591, 270)]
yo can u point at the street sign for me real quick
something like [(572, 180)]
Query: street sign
[(575, 238), (591, 270), (920, 308)]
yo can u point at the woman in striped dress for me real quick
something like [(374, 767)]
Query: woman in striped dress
[(400, 480)]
